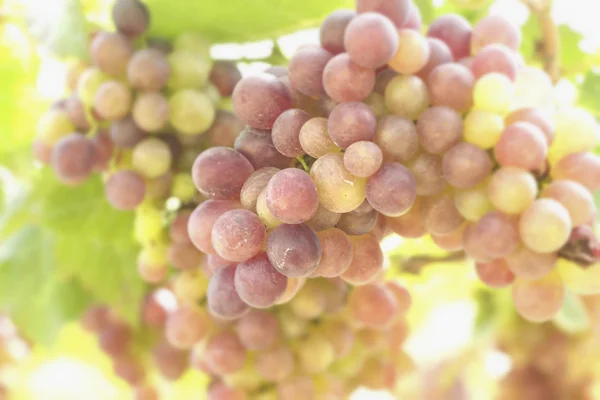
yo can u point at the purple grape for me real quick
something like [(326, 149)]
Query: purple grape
[(222, 297), (257, 146), (392, 189), (286, 132), (294, 250), (292, 196), (220, 173), (351, 122), (258, 283), (238, 235)]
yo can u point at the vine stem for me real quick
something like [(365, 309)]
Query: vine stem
[(414, 265), (304, 164), (90, 120), (549, 45)]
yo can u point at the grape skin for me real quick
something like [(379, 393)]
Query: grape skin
[(185, 326), (314, 138), (224, 130), (373, 305), (545, 226), (224, 353), (258, 283), (350, 123), (455, 31), (451, 85), (367, 260), (220, 173), (397, 10), (452, 241), (397, 138), (225, 75), (412, 53), (222, 297), (151, 111), (73, 159), (336, 253), (354, 224), (202, 220), (257, 146), (191, 112), (538, 300), (292, 196), (363, 158), (323, 219), (339, 191), (131, 17), (125, 190), (410, 224), (238, 235), (579, 167), (465, 166), (521, 145), (305, 70), (111, 52), (427, 171), (371, 40), (294, 250), (275, 365), (578, 201), (527, 264), (497, 234), (494, 29), (286, 132), (407, 96), (495, 58), (333, 28), (148, 70), (439, 128), (346, 81), (125, 133), (151, 157), (495, 274), (255, 184), (440, 215), (511, 190), (258, 330), (535, 116), (439, 53), (391, 190)]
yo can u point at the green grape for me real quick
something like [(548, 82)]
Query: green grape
[(349, 365), (152, 263), (151, 111), (245, 378), (315, 354), (151, 158), (585, 281), (407, 96), (494, 92), (213, 94), (190, 285), (309, 302), (483, 128), (188, 70), (291, 325), (53, 126), (148, 224), (191, 111), (183, 187), (511, 190), (545, 226), (191, 41), (576, 131), (89, 82), (113, 100), (376, 103), (473, 203)]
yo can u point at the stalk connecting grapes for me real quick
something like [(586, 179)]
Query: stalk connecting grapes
[(278, 274)]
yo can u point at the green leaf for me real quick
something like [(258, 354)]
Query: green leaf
[(589, 93), (427, 10), (531, 35), (572, 59), (572, 317), (238, 20)]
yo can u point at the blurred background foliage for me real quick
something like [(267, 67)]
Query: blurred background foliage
[(63, 248)]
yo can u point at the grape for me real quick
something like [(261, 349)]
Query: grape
[(160, 43), (150, 111), (455, 31), (75, 109), (296, 388), (131, 17), (129, 369), (185, 256), (152, 270), (363, 158), (336, 253), (215, 262), (384, 76), (255, 184), (258, 283), (323, 219), (148, 70), (413, 21), (373, 305), (314, 138), (258, 100), (125, 190), (275, 365), (306, 69), (222, 297), (511, 190), (292, 196), (474, 247), (346, 81), (103, 151), (189, 70), (263, 212), (451, 85), (333, 28), (397, 138), (224, 353), (367, 260), (439, 128), (53, 126), (495, 58), (566, 120), (451, 241), (351, 122), (171, 362), (495, 274), (579, 167), (371, 40), (538, 300), (339, 191), (220, 173), (293, 286), (73, 159), (183, 187), (427, 171), (315, 354), (88, 84), (465, 165), (41, 152), (358, 224), (397, 335), (483, 128), (576, 198), (111, 52), (286, 132), (396, 10), (114, 339), (202, 220), (238, 235), (96, 318), (495, 29), (527, 264), (258, 330), (439, 53), (335, 291), (191, 112), (186, 326), (145, 392), (412, 53), (378, 374), (497, 233), (407, 96), (151, 157), (294, 250), (310, 302), (494, 92), (410, 224), (392, 190), (545, 226), (225, 75), (535, 116), (522, 145), (473, 203), (257, 146), (224, 129), (340, 335), (125, 133), (440, 215), (533, 88), (190, 285), (220, 391)]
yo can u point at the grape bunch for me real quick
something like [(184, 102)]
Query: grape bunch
[(139, 114)]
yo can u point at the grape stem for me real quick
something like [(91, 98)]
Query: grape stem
[(304, 164), (414, 265), (548, 45), (91, 121)]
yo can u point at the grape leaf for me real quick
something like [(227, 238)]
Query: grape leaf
[(572, 59), (589, 93), (572, 317)]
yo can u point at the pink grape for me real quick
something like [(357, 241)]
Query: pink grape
[(495, 29), (367, 260), (396, 10), (350, 123), (292, 196), (455, 31), (306, 70), (222, 297), (410, 224), (224, 130), (220, 173), (258, 330), (238, 235), (522, 145), (225, 75), (336, 253), (527, 264), (257, 146), (254, 185), (275, 365), (495, 274), (466, 165), (538, 300), (497, 233), (224, 353), (439, 128), (427, 171), (575, 197), (391, 190), (220, 391), (363, 158), (397, 138), (373, 305), (333, 28), (535, 116), (202, 220), (440, 215), (323, 219), (439, 53), (294, 250), (579, 167), (451, 85), (125, 190), (186, 326), (354, 224), (495, 58), (413, 21), (73, 159), (450, 242), (346, 81), (371, 40), (286, 132), (125, 133), (258, 283)]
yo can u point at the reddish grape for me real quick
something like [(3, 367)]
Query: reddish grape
[(148, 70), (336, 253), (495, 58), (495, 274), (345, 80), (535, 116), (224, 353), (367, 261), (497, 233), (306, 70), (522, 145), (222, 297), (294, 250), (131, 17), (575, 197), (439, 128), (455, 31), (258, 283), (439, 53), (363, 158), (254, 185), (286, 132), (410, 224), (396, 10), (440, 215), (73, 159), (258, 330), (354, 224), (465, 165), (391, 190), (292, 196), (202, 220), (451, 85), (257, 146), (397, 138), (125, 133), (186, 326), (579, 167), (238, 235), (494, 29), (323, 219), (220, 173), (350, 123), (225, 75), (371, 40), (333, 28), (373, 305), (527, 264), (125, 190), (427, 171)]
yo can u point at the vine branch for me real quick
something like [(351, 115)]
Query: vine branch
[(414, 265), (548, 47)]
